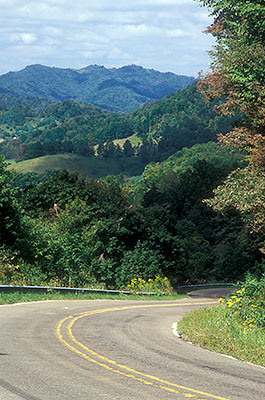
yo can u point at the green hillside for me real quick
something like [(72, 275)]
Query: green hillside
[(94, 167), (117, 89), (209, 156), (156, 130)]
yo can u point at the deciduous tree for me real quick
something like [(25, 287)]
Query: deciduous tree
[(237, 71)]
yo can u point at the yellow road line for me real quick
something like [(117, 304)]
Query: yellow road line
[(72, 320)]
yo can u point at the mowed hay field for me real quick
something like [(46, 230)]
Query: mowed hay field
[(94, 167)]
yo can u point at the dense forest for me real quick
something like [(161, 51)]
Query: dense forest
[(116, 89), (195, 214), (75, 230), (30, 129)]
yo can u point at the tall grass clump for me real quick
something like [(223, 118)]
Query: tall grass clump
[(236, 327)]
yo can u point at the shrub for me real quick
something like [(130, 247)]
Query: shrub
[(248, 302), (140, 263), (14, 271), (159, 285)]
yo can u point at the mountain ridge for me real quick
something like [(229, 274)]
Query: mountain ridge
[(116, 89)]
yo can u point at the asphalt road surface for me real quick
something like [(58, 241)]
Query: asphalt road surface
[(114, 350)]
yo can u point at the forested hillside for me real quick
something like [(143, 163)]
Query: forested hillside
[(71, 229), (162, 127), (117, 89)]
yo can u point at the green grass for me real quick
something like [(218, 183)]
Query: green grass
[(134, 139), (20, 297), (219, 330), (91, 166)]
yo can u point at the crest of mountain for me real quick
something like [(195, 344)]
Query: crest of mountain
[(117, 89)]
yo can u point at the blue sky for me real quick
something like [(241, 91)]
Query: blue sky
[(162, 34)]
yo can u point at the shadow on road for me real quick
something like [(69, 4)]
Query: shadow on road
[(212, 293)]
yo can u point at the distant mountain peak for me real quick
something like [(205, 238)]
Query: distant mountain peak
[(131, 67), (120, 89)]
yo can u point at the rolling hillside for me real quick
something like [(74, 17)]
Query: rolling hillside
[(117, 89), (94, 167), (155, 131)]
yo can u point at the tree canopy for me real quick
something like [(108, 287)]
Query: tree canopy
[(238, 73), (238, 77)]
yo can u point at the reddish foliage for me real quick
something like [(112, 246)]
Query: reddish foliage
[(238, 77)]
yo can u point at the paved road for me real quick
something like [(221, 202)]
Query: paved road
[(113, 350)]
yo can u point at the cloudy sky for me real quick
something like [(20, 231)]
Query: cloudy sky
[(162, 34)]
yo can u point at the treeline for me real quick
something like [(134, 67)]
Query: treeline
[(73, 230), (165, 126)]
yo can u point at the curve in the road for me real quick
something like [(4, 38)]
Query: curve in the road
[(64, 333)]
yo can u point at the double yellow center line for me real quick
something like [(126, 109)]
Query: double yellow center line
[(68, 339)]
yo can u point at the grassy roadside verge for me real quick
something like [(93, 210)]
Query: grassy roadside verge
[(212, 329), (19, 297), (235, 328)]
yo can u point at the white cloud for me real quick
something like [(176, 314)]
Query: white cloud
[(25, 37), (28, 38), (154, 33)]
